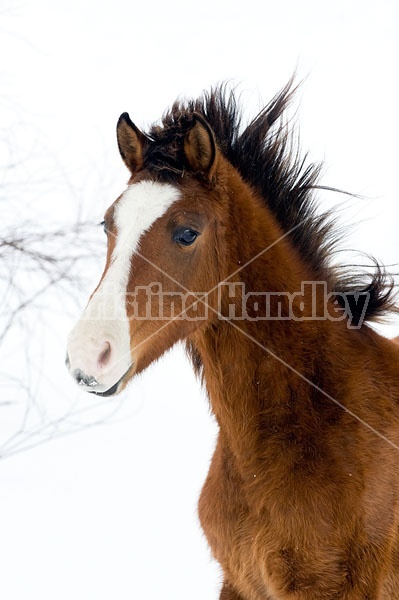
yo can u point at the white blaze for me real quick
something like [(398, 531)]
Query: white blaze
[(105, 318)]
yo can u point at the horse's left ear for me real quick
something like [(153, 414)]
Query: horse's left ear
[(131, 143), (200, 146)]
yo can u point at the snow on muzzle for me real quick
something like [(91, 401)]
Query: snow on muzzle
[(98, 351)]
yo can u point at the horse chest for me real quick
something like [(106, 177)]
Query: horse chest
[(229, 533), (231, 528), (262, 551)]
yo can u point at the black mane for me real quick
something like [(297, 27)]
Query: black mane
[(265, 155)]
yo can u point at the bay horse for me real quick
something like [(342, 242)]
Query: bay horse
[(213, 242)]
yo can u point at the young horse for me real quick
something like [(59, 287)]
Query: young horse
[(216, 241)]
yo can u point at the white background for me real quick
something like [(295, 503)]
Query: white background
[(110, 512)]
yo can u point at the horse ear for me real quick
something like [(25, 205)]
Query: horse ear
[(200, 146), (131, 143)]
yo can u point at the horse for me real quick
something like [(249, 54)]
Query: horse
[(218, 241)]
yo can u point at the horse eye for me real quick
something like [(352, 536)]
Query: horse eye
[(104, 227), (186, 237)]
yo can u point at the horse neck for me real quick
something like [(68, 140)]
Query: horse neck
[(257, 373)]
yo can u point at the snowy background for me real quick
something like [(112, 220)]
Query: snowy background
[(98, 498)]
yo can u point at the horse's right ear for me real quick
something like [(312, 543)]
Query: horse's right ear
[(200, 146), (131, 143)]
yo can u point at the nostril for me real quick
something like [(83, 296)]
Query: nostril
[(83, 379), (105, 354)]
